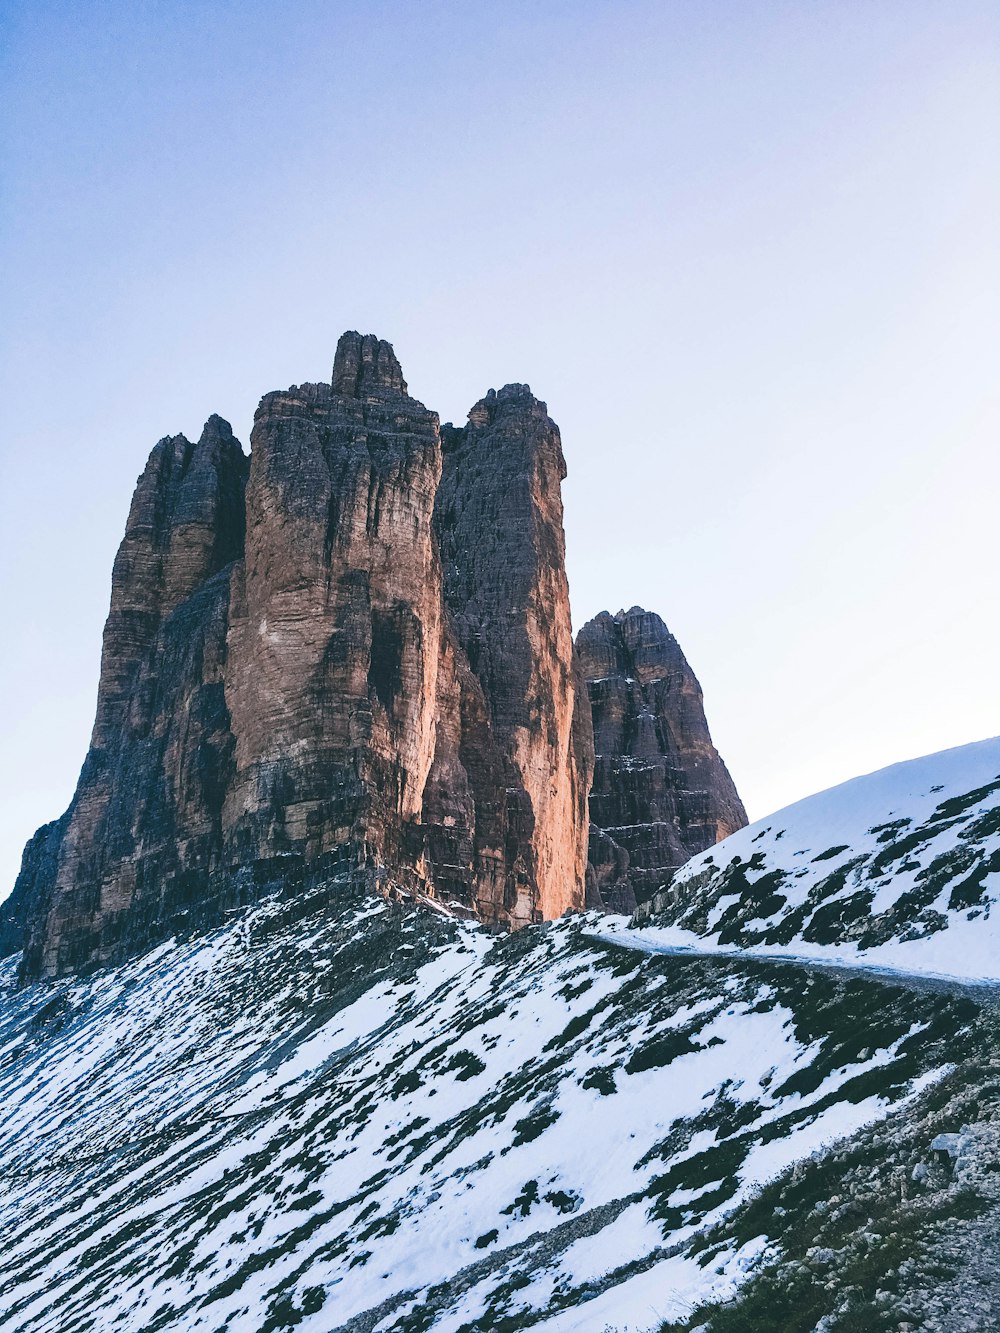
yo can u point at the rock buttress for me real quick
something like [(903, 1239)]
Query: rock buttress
[(499, 518), (661, 792), (360, 729), (144, 828), (336, 628)]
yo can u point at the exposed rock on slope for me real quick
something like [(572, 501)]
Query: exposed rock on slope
[(895, 876), (308, 699), (38, 867), (897, 869), (661, 793)]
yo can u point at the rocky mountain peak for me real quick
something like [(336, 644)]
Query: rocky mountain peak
[(365, 364), (349, 658), (661, 793), (217, 428), (499, 523), (512, 400), (633, 643), (316, 671)]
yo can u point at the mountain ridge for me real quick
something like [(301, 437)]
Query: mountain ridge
[(897, 868), (335, 1114), (350, 654)]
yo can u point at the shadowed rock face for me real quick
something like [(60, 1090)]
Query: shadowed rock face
[(290, 687), (37, 873), (661, 793), (143, 832), (186, 523)]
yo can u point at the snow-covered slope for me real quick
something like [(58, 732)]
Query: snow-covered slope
[(363, 1119), (898, 869)]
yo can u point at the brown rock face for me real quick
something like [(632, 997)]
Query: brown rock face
[(337, 617), (500, 521), (661, 792), (185, 524), (292, 693)]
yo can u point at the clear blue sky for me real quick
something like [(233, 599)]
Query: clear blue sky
[(748, 253)]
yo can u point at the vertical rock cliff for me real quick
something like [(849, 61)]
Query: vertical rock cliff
[(661, 793), (35, 878), (186, 523), (336, 615), (293, 691), (144, 832), (500, 522), (351, 656)]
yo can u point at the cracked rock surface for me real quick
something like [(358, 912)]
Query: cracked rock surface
[(293, 685), (661, 792)]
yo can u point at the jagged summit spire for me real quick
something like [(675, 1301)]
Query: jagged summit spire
[(511, 400), (366, 364), (217, 428), (661, 793)]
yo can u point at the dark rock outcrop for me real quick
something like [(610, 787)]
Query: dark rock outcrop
[(186, 523), (661, 793), (291, 691), (143, 835), (34, 880)]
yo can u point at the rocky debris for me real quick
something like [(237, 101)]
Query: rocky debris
[(947, 1144), (956, 1289), (661, 793), (291, 688)]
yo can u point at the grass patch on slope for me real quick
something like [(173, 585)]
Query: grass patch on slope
[(858, 1230)]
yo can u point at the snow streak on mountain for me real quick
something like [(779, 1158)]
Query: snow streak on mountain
[(356, 1117), (899, 869)]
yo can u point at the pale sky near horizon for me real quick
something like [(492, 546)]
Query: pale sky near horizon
[(747, 252)]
